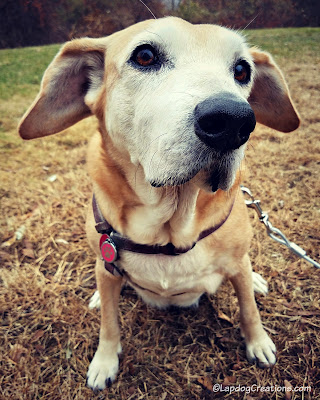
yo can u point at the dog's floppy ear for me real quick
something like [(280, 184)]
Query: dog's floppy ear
[(75, 73), (270, 98)]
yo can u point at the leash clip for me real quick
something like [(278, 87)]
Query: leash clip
[(273, 232)]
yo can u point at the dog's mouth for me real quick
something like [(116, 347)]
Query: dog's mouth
[(210, 178), (218, 173), (174, 180), (214, 180)]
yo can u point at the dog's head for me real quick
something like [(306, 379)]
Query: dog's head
[(178, 99)]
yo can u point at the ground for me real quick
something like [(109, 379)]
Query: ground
[(48, 334)]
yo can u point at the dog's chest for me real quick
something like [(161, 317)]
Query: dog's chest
[(164, 280)]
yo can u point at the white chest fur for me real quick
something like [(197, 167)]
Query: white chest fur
[(174, 280)]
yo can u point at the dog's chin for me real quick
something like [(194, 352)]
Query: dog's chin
[(169, 182), (209, 180), (176, 180)]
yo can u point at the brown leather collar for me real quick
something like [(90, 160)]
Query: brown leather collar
[(119, 242)]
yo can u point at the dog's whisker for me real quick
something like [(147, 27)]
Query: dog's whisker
[(188, 94), (148, 8), (253, 19), (156, 34)]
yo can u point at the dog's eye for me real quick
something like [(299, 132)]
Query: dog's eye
[(242, 72), (144, 56)]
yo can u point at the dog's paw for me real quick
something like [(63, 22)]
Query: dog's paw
[(103, 369), (260, 285), (262, 351), (95, 300)]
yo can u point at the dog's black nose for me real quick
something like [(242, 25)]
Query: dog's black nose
[(224, 122)]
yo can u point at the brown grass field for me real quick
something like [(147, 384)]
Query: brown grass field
[(48, 334)]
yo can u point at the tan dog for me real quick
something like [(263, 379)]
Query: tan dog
[(174, 103)]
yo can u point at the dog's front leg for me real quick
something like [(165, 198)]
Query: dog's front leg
[(260, 347), (104, 366)]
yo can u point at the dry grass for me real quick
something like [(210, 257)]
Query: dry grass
[(48, 334)]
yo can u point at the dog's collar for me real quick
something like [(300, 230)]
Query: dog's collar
[(111, 241)]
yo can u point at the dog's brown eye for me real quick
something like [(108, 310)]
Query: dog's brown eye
[(242, 72), (144, 56)]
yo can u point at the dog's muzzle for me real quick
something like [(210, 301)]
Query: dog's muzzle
[(224, 122)]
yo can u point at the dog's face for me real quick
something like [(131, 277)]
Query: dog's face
[(180, 86), (175, 97)]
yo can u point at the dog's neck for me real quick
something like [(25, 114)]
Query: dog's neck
[(145, 214)]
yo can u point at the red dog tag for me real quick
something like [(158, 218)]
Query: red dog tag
[(108, 249), (103, 238)]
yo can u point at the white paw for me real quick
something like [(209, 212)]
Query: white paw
[(262, 350), (95, 300), (103, 369), (260, 285)]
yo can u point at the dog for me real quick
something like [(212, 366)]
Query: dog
[(176, 104)]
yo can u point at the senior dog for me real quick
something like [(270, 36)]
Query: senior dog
[(176, 104)]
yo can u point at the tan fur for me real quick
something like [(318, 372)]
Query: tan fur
[(274, 96), (172, 213)]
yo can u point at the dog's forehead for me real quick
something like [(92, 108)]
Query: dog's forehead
[(180, 37)]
